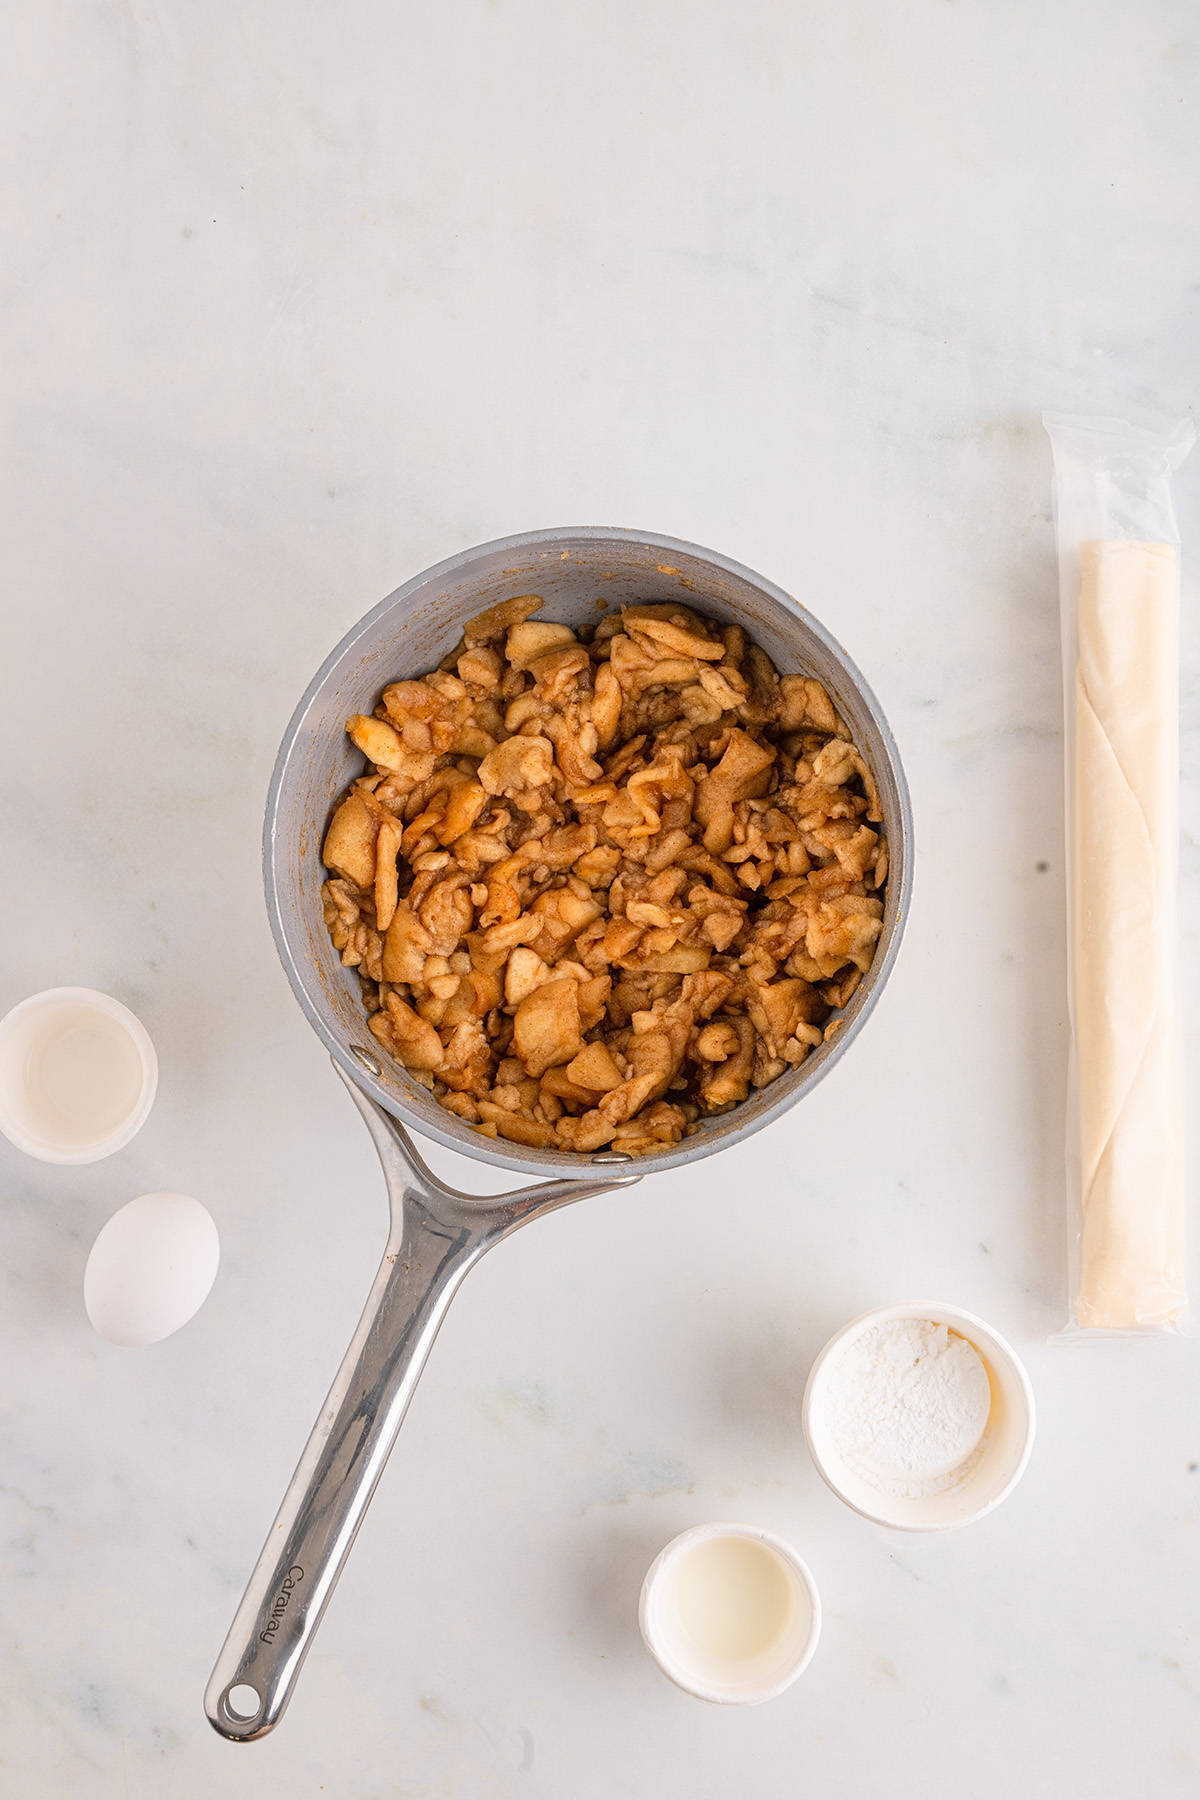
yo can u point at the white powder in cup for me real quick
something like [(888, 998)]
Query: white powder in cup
[(907, 1406)]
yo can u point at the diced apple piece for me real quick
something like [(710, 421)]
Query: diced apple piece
[(405, 947), (349, 847), (496, 620), (546, 1029), (595, 1068), (387, 874), (526, 971), (516, 765), (377, 741), (526, 642)]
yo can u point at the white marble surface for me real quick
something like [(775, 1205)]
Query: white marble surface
[(297, 299)]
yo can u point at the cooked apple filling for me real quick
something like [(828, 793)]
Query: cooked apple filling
[(598, 885)]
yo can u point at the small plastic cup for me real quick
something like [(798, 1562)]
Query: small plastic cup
[(78, 1075), (995, 1470), (704, 1667)]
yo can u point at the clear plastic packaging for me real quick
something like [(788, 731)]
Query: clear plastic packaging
[(1118, 559)]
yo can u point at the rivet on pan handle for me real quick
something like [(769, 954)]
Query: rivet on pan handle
[(436, 1234)]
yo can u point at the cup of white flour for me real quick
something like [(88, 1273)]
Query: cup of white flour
[(919, 1416)]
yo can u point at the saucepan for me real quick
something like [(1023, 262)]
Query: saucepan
[(437, 1232)]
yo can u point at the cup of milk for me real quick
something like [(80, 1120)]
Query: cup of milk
[(78, 1074), (730, 1613)]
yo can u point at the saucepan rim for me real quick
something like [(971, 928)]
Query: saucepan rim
[(280, 859)]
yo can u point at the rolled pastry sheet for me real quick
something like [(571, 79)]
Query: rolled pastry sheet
[(1123, 935)]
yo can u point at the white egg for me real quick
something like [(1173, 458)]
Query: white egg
[(151, 1268)]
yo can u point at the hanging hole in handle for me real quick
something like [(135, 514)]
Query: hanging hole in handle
[(370, 1063), (241, 1703)]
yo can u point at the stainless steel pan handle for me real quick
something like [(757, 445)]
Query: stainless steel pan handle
[(436, 1235)]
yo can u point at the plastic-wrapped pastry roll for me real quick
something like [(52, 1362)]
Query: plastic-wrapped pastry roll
[(1119, 572), (1123, 930)]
